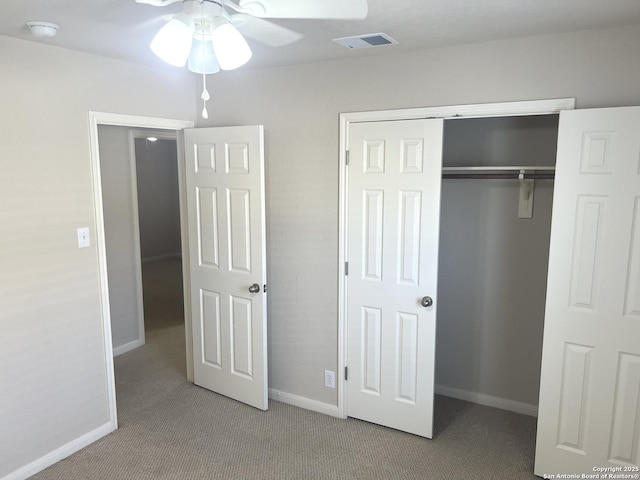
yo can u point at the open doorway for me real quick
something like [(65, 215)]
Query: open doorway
[(504, 144), (141, 205), (173, 126), (139, 177), (158, 206)]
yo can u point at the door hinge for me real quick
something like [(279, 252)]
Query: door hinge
[(265, 288), (347, 158), (346, 268), (346, 371)]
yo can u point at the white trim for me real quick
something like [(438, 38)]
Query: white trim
[(536, 107), (127, 347), (102, 267), (488, 400), (60, 453), (136, 121), (184, 239), (95, 119), (303, 402), (482, 110), (343, 220)]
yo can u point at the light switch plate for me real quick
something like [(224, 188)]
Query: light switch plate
[(83, 237)]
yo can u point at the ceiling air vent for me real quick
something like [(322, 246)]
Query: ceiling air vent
[(366, 41)]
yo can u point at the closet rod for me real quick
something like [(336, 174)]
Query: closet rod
[(508, 176), (499, 169), (500, 172)]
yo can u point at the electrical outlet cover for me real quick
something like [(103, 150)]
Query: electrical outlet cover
[(329, 379)]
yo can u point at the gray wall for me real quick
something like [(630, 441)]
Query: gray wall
[(493, 265), (300, 114), (53, 365), (117, 197), (158, 199)]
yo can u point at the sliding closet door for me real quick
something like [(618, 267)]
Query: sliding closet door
[(589, 412), (394, 178)]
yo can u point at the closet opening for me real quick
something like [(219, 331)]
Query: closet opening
[(493, 259), (481, 340)]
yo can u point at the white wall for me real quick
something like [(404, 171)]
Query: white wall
[(53, 376), (158, 199), (299, 107)]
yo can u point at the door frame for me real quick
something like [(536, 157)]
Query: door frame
[(133, 122), (487, 110)]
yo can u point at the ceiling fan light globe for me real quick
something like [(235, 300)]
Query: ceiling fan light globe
[(230, 47), (202, 59), (173, 41)]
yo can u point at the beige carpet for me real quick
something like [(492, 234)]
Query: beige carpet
[(170, 429)]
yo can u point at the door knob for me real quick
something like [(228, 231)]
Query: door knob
[(255, 288), (426, 301)]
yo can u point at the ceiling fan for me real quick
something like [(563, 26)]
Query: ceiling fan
[(207, 35), (204, 21)]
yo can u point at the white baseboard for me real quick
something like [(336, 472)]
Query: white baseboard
[(303, 402), (488, 400), (127, 347), (61, 453), (159, 258)]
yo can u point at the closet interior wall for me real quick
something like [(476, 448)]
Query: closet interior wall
[(492, 264)]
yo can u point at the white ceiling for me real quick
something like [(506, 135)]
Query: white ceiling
[(122, 29)]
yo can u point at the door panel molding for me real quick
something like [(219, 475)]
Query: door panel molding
[(391, 335), (590, 344)]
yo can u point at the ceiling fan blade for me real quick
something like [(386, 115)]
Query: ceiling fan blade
[(321, 9), (264, 31), (155, 22)]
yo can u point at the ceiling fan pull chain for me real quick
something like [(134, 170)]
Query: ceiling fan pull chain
[(205, 95)]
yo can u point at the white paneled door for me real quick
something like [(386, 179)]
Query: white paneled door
[(226, 216), (589, 411), (394, 178)]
